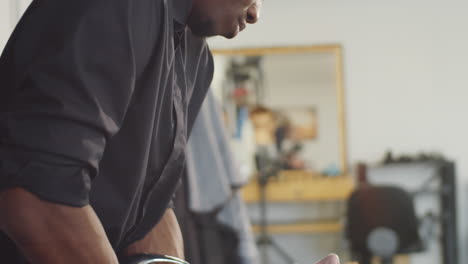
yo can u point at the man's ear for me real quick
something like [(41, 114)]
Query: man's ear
[(330, 259)]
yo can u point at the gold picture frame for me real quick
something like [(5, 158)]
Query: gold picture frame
[(334, 49)]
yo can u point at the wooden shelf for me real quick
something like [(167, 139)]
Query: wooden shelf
[(399, 259), (303, 228), (297, 186)]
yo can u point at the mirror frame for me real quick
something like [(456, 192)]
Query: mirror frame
[(334, 49)]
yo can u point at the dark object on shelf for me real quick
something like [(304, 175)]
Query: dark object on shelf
[(381, 221), (361, 173), (421, 157), (442, 173)]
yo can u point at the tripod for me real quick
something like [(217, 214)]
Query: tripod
[(265, 240)]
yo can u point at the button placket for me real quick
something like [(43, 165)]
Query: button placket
[(176, 158)]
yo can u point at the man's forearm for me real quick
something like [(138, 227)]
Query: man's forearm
[(49, 233), (165, 238)]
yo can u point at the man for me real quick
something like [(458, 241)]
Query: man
[(97, 99)]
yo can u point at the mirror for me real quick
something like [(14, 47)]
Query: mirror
[(293, 97)]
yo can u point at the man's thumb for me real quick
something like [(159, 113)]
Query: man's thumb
[(330, 259)]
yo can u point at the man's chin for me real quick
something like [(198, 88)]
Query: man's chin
[(230, 35)]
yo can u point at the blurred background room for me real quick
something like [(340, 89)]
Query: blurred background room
[(344, 120)]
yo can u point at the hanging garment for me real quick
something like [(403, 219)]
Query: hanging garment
[(213, 179)]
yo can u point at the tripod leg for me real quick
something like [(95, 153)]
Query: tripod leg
[(388, 260), (263, 247), (282, 252), (264, 239)]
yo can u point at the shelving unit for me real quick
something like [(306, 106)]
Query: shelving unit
[(294, 200), (303, 228), (301, 186)]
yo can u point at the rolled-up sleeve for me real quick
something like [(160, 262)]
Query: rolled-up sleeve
[(67, 76)]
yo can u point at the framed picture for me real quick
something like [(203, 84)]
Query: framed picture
[(302, 122)]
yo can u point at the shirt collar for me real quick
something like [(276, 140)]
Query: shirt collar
[(181, 10)]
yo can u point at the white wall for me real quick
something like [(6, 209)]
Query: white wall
[(5, 22), (405, 69), (10, 11)]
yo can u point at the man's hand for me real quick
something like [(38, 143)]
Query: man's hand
[(330, 259), (165, 239), (49, 233)]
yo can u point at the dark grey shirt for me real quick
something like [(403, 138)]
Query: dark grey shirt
[(97, 98)]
